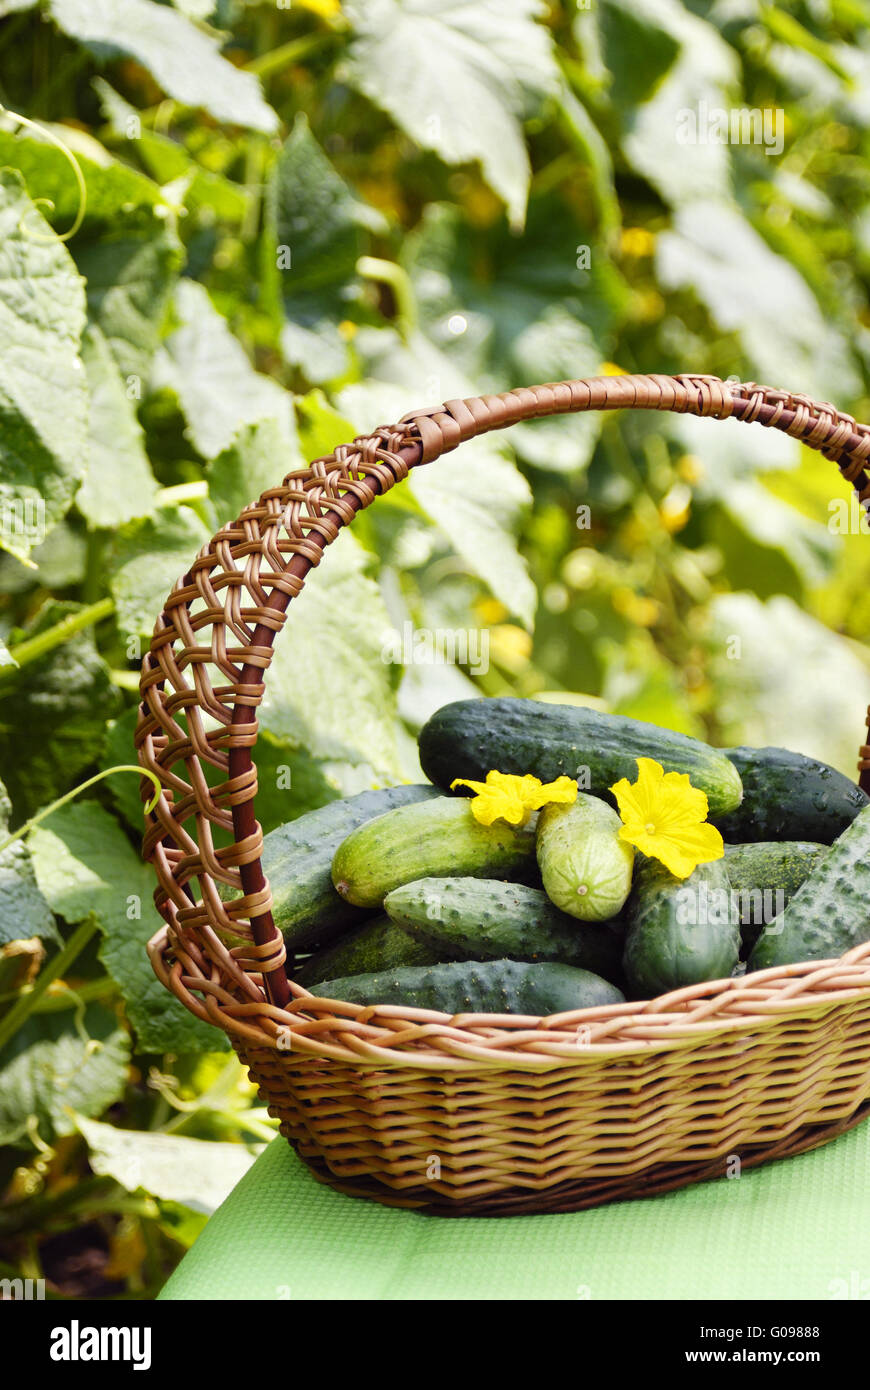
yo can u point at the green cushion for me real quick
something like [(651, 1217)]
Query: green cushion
[(785, 1230)]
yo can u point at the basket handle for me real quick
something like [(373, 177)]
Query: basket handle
[(236, 594)]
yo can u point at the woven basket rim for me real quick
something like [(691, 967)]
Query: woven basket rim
[(240, 585)]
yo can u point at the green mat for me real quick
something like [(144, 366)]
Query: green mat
[(799, 1228)]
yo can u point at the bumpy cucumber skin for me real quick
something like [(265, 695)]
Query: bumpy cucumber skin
[(585, 867), (377, 944), (663, 953), (787, 796), (297, 861), (432, 839), (479, 987), (486, 919), (830, 912), (768, 867), (469, 737)]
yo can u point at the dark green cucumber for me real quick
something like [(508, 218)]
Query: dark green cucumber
[(485, 919), (478, 987), (471, 737), (585, 866), (433, 839), (830, 912), (787, 796), (297, 860), (765, 876), (377, 944), (680, 931)]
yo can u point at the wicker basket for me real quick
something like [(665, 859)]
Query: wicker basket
[(475, 1114)]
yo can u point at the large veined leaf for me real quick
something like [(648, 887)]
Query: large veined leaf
[(109, 184), (329, 688), (217, 387), (49, 1070), (751, 291), (196, 1173), (543, 310), (257, 459), (147, 558), (119, 483), (458, 76), (477, 496), (43, 394), (52, 713), (183, 59), (86, 865), (690, 69), (130, 277), (23, 910), (783, 678)]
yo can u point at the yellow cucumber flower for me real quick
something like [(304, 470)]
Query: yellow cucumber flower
[(504, 796), (665, 817)]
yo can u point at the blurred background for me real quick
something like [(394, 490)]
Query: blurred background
[(236, 234)]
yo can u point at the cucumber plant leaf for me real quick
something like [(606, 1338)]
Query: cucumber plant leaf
[(146, 559), (130, 277), (23, 910), (86, 865), (119, 484)]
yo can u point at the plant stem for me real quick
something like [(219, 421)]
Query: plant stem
[(373, 268), (35, 647), (268, 63), (20, 1011), (182, 492)]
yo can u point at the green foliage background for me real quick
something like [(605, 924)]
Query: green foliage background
[(302, 220)]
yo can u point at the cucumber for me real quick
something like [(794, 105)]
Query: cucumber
[(680, 931), (787, 796), (470, 737), (432, 839), (484, 919), (297, 860), (478, 987), (377, 944), (830, 912), (765, 876), (585, 867)]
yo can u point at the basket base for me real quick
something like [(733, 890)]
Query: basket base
[(578, 1196)]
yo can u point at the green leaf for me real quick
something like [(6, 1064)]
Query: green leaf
[(48, 1071), (751, 291), (783, 678), (257, 459), (328, 689), (459, 78), (147, 558), (182, 58), (86, 865), (195, 1173), (23, 910), (129, 283), (217, 387), (119, 484), (118, 749), (784, 552), (43, 395), (52, 714)]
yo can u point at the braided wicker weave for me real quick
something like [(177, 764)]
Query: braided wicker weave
[(470, 1114)]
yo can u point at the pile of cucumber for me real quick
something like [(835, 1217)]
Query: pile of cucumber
[(401, 896)]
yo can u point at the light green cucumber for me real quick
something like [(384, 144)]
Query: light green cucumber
[(680, 931), (585, 866), (478, 987), (432, 839), (830, 912), (487, 919)]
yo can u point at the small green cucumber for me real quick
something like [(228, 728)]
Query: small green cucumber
[(431, 839), (486, 919), (764, 877), (585, 866), (479, 987), (297, 861), (787, 796), (680, 931), (829, 913), (470, 737), (377, 944)]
